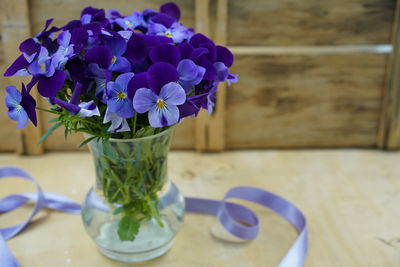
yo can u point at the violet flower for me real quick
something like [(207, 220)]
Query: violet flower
[(43, 64), (117, 46), (131, 22), (88, 109), (176, 31), (162, 108), (117, 96), (100, 77), (21, 107), (190, 74), (118, 124), (65, 49)]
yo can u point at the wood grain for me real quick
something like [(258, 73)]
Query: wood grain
[(350, 199), (15, 29), (64, 11), (309, 22), (305, 101), (217, 123), (389, 130), (202, 25)]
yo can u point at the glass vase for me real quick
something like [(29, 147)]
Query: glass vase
[(133, 212)]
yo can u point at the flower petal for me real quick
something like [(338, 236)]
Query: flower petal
[(186, 50), (138, 81), (171, 9), (18, 64), (163, 19), (13, 96), (160, 74), (187, 70), (100, 55), (222, 71), (168, 115), (136, 49), (144, 100), (224, 55), (117, 45), (187, 109), (154, 40), (123, 80), (165, 53), (121, 65), (49, 86), (64, 38), (29, 104), (210, 73), (19, 115), (29, 46), (173, 94)]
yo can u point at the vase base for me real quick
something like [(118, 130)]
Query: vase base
[(139, 256)]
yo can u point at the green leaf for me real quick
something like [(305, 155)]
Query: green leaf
[(109, 151), (49, 132), (119, 210), (144, 131), (86, 141), (128, 228), (53, 120)]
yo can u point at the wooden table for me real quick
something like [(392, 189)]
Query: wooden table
[(351, 199)]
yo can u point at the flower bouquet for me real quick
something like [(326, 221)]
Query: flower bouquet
[(123, 81)]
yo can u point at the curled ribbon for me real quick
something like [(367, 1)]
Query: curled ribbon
[(229, 214)]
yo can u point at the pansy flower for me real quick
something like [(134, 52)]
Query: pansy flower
[(130, 22), (190, 74), (176, 31), (21, 106), (118, 124), (162, 95), (117, 96), (100, 78)]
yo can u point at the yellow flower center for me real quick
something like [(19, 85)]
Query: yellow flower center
[(113, 59), (168, 34), (160, 104), (121, 95), (128, 24)]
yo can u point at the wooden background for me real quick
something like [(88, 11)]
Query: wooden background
[(312, 73)]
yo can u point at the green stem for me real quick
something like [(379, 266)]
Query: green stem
[(134, 120), (47, 110)]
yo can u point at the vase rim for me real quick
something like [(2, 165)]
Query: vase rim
[(143, 138)]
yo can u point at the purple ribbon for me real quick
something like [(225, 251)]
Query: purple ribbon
[(236, 219)]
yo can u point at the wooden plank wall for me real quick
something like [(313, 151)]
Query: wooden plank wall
[(312, 73)]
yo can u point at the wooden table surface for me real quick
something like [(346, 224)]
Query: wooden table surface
[(351, 199)]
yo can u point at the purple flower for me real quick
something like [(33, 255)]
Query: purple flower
[(117, 96), (176, 31), (100, 77), (165, 53), (118, 124), (64, 51), (224, 75), (131, 22), (88, 109), (189, 74), (171, 9), (43, 64), (117, 46), (19, 67), (50, 86), (20, 106), (162, 108)]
